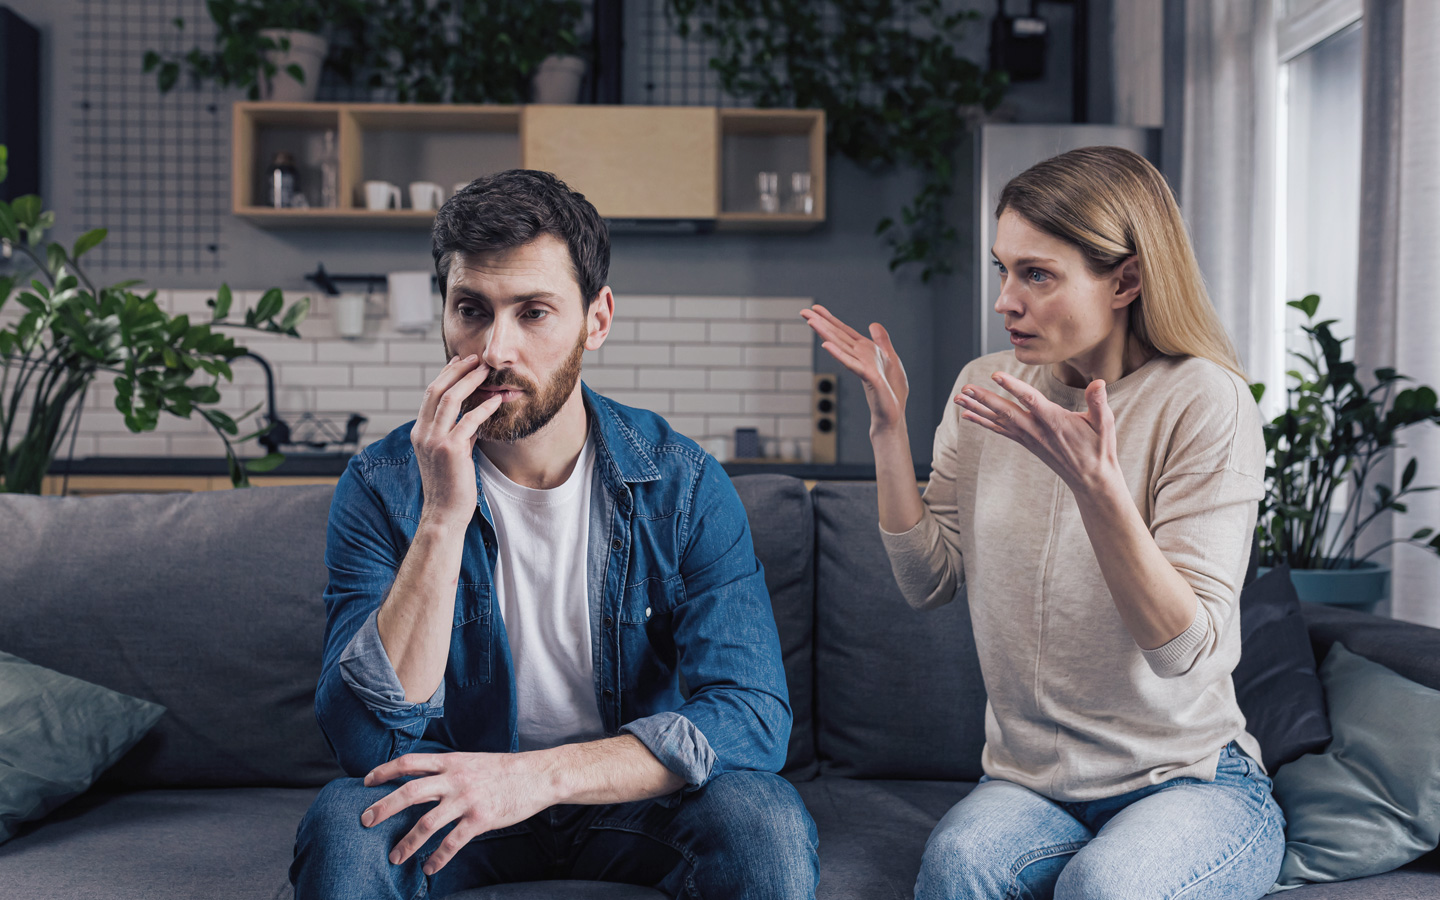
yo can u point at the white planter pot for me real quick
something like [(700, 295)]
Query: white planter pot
[(557, 80), (307, 51)]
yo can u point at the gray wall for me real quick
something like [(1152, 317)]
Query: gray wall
[(840, 264)]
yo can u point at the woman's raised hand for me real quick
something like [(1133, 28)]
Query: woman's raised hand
[(873, 359)]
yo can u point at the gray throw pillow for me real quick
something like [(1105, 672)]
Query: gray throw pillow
[(1371, 802), (57, 734)]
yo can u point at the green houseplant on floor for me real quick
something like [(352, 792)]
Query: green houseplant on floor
[(1336, 431), (73, 332)]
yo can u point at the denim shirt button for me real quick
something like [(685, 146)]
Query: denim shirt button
[(609, 693), (609, 622), (617, 544)]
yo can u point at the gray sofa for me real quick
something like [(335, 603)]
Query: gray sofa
[(210, 604)]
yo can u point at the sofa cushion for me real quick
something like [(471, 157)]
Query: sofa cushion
[(1371, 801), (1403, 647), (209, 604), (156, 845), (872, 833), (56, 734), (782, 527), (898, 691), (1276, 684)]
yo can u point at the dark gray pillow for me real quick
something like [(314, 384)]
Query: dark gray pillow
[(782, 527), (1276, 682), (898, 691), (1371, 802), (57, 734)]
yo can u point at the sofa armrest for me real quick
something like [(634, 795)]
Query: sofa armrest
[(1409, 649)]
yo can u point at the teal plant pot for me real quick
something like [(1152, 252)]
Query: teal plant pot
[(1361, 588)]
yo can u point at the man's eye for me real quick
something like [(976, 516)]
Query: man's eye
[(536, 314)]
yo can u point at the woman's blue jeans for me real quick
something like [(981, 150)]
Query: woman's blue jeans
[(1185, 838), (743, 835)]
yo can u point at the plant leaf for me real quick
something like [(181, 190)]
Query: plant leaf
[(88, 241), (266, 463)]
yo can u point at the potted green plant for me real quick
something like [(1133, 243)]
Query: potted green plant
[(1337, 431), (73, 332), (274, 49), (894, 87), (477, 51)]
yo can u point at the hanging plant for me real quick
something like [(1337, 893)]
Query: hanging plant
[(894, 89)]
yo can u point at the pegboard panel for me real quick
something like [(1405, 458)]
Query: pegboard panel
[(152, 168)]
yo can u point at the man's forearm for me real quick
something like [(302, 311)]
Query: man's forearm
[(416, 618), (614, 770)]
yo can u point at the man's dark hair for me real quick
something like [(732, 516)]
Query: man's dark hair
[(510, 209)]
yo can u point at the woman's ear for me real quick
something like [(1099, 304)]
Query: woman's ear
[(1127, 282)]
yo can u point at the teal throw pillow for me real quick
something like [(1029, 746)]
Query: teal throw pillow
[(57, 734), (1371, 801)]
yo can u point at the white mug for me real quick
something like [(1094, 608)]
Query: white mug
[(381, 194), (426, 195)]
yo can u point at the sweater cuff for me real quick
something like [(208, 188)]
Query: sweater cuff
[(1176, 657)]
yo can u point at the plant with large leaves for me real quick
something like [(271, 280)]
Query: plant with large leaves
[(894, 88), (72, 332), (1336, 431)]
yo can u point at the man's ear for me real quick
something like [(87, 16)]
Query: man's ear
[(598, 318), (1127, 283)]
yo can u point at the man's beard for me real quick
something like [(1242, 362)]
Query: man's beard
[(516, 420)]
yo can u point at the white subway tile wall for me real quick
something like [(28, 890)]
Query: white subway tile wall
[(708, 364)]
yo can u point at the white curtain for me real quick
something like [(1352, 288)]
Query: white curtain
[(1228, 164), (1398, 315)]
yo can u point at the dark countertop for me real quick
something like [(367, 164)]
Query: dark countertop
[(323, 464)]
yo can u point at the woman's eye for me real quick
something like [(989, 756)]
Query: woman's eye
[(1000, 268), (1038, 277)]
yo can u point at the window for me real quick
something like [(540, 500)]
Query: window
[(1318, 172)]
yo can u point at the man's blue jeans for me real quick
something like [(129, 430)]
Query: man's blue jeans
[(743, 835), (1185, 838)]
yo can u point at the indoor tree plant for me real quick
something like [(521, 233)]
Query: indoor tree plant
[(74, 331), (1336, 431), (893, 94)]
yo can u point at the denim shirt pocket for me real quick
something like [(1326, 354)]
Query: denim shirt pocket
[(471, 637)]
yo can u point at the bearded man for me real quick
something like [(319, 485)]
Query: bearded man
[(550, 651)]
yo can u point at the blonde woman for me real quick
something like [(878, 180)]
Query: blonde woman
[(1094, 491)]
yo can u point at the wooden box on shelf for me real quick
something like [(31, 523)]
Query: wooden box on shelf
[(633, 162)]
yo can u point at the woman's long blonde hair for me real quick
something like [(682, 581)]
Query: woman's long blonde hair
[(1112, 204)]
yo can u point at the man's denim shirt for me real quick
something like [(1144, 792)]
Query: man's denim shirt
[(675, 592)]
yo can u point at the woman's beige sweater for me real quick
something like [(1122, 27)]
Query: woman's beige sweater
[(1077, 710)]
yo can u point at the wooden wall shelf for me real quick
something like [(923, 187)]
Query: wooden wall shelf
[(632, 162)]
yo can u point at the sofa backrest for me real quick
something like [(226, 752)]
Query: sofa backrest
[(207, 603), (782, 528), (898, 692)]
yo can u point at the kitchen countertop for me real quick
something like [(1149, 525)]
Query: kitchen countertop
[(322, 464)]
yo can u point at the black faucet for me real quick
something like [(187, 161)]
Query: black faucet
[(279, 432)]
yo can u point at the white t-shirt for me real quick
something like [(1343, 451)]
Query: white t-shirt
[(541, 591)]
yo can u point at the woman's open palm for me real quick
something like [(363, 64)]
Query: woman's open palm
[(873, 359)]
